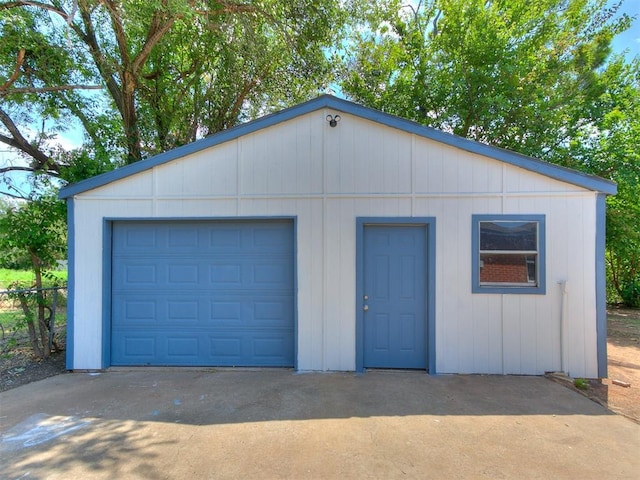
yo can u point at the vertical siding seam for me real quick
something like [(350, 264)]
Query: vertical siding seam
[(154, 191), (502, 299), (503, 195), (413, 175), (238, 177)]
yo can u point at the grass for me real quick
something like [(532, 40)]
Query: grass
[(13, 320), (581, 383), (10, 319), (7, 277)]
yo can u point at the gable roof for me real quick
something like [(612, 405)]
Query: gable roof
[(556, 172)]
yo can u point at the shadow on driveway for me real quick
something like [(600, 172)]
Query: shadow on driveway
[(202, 397), (181, 423)]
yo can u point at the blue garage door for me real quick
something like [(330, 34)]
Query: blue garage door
[(202, 293)]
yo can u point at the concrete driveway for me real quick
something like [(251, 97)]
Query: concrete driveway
[(186, 424)]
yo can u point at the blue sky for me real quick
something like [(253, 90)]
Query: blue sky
[(629, 40)]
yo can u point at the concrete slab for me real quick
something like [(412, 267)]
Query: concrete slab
[(163, 423)]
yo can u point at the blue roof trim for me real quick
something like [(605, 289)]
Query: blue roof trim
[(71, 285), (601, 285), (557, 172)]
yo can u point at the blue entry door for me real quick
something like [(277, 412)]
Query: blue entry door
[(394, 300)]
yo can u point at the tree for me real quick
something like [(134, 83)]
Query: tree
[(611, 148), (38, 229), (142, 77), (533, 77), (513, 73)]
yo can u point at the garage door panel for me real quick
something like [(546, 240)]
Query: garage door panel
[(206, 293), (147, 310), (221, 348), (270, 239), (139, 238), (269, 347), (225, 349), (214, 310), (138, 311), (223, 272), (270, 274), (180, 273), (141, 346), (141, 273), (183, 238), (183, 347)]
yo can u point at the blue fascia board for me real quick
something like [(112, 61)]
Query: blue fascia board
[(71, 285), (556, 172), (601, 285)]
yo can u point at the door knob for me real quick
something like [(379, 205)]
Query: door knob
[(365, 307)]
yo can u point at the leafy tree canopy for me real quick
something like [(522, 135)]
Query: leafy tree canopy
[(514, 73), (142, 77)]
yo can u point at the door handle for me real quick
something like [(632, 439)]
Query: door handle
[(365, 307)]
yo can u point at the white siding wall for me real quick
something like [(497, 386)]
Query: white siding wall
[(327, 177)]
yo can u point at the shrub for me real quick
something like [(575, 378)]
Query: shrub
[(630, 293)]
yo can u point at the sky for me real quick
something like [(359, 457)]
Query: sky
[(628, 43), (630, 39)]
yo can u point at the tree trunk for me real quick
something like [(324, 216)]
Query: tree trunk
[(130, 118), (33, 336), (44, 331)]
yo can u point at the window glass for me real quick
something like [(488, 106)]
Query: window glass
[(508, 252), (509, 236), (517, 269)]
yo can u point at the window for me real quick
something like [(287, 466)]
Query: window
[(508, 254)]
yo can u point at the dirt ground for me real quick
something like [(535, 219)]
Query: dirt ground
[(623, 352), (18, 367)]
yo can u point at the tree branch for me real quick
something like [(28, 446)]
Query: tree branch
[(20, 196), (157, 30), (232, 7), (237, 105), (118, 30), (50, 89), (16, 71), (41, 160), (15, 168), (154, 36), (89, 38), (19, 168), (25, 3), (86, 123)]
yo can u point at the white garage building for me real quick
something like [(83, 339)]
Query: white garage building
[(330, 236)]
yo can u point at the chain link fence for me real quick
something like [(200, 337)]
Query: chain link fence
[(45, 309)]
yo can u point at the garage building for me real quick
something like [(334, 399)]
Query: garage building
[(330, 236)]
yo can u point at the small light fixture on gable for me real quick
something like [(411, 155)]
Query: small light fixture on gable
[(333, 120)]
